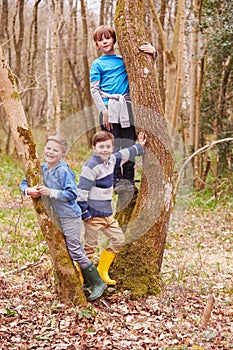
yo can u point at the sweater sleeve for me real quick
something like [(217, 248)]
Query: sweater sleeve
[(24, 186), (96, 95), (127, 154)]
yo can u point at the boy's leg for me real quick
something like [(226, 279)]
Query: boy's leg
[(91, 235), (128, 136), (128, 169), (114, 233), (117, 146), (116, 131), (71, 228), (116, 239)]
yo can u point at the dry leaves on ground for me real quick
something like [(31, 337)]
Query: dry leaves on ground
[(197, 264)]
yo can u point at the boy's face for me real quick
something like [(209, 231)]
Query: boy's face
[(104, 149), (53, 153), (106, 45)]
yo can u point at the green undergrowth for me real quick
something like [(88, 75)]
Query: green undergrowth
[(11, 173), (208, 198), (21, 240)]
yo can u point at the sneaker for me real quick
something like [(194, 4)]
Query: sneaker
[(125, 185), (119, 186)]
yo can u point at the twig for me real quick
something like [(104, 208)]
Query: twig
[(18, 270), (200, 150), (207, 312)]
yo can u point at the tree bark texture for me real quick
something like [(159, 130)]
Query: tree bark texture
[(139, 262), (18, 42), (87, 91), (69, 286), (56, 97)]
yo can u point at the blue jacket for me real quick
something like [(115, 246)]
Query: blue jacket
[(62, 180), (95, 188)]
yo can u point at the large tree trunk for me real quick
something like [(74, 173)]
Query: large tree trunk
[(138, 264), (69, 286)]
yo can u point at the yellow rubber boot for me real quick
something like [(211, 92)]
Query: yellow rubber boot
[(105, 261)]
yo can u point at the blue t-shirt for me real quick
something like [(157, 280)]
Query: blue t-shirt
[(110, 71)]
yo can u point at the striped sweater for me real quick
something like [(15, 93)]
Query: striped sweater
[(95, 188)]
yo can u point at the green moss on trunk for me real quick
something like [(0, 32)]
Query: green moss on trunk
[(136, 270)]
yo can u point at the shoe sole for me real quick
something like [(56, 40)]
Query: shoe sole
[(99, 295)]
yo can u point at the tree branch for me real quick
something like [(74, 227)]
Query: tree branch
[(200, 150)]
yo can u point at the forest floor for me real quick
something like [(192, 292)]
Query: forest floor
[(197, 269)]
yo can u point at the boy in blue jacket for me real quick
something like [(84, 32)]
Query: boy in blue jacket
[(95, 190), (60, 187)]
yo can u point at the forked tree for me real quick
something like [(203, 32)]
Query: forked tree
[(138, 264)]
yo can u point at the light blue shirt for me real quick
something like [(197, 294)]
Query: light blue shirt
[(110, 71)]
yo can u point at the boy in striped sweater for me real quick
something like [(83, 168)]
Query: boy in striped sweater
[(95, 190)]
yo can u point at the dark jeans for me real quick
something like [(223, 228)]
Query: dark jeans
[(123, 138)]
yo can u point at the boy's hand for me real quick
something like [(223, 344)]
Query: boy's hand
[(44, 191), (88, 221), (33, 191), (106, 124), (148, 48), (142, 138)]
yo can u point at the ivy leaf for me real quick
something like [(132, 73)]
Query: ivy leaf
[(9, 312)]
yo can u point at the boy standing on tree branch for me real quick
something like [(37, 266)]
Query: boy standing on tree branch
[(110, 92), (95, 191)]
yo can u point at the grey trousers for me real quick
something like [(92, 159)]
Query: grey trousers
[(71, 228)]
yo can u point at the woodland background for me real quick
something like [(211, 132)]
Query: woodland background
[(49, 47)]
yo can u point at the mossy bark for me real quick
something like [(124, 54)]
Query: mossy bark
[(67, 276), (138, 264)]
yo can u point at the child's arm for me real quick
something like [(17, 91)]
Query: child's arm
[(33, 191), (29, 191), (106, 124), (142, 139), (86, 181), (44, 191), (126, 154), (95, 92), (148, 48), (65, 189)]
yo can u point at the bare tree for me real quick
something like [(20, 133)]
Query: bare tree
[(18, 40), (56, 97), (69, 285), (31, 64), (102, 6), (87, 91)]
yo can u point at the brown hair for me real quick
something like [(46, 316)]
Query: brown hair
[(102, 136), (62, 142), (106, 31)]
